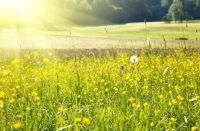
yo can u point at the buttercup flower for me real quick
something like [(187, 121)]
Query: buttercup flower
[(15, 61), (36, 53), (194, 128), (86, 121), (60, 109), (17, 125), (12, 101), (1, 104), (77, 120), (161, 96), (2, 95), (151, 124)]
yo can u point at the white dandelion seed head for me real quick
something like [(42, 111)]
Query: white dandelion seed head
[(133, 59)]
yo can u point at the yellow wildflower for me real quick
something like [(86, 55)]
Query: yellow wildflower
[(60, 109), (1, 104), (115, 89), (15, 61), (173, 120), (151, 124), (146, 104), (36, 53), (17, 87), (17, 125), (27, 56), (109, 109), (131, 99), (95, 89), (174, 101), (77, 120), (161, 96), (34, 94), (2, 95), (194, 128), (12, 101), (46, 60), (36, 98), (106, 90), (86, 121), (180, 98), (13, 91), (182, 80), (136, 105), (6, 72), (177, 88), (124, 92), (197, 97)]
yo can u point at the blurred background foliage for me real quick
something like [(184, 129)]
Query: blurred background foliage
[(51, 13)]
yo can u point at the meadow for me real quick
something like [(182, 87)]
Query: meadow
[(71, 65), (190, 30), (124, 36), (154, 90)]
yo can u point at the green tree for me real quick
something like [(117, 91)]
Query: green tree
[(166, 3), (197, 3), (176, 11)]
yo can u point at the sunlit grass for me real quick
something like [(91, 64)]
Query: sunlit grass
[(160, 91), (135, 30), (152, 29)]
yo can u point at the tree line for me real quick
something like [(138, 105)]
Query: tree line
[(124, 11)]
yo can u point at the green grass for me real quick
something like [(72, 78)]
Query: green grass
[(101, 91), (151, 29), (132, 35)]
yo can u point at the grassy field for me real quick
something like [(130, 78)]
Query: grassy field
[(190, 30), (101, 91), (133, 35), (151, 29), (101, 78)]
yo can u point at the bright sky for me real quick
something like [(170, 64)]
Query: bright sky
[(30, 13), (23, 9), (16, 5)]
